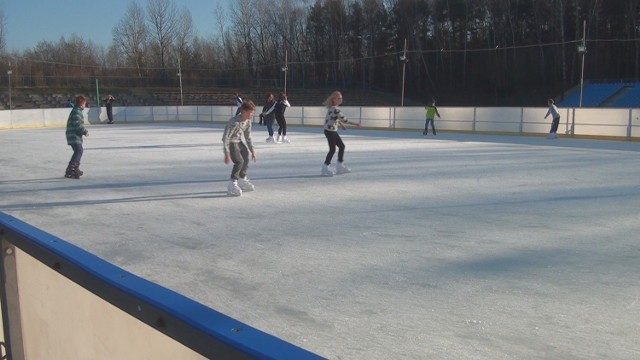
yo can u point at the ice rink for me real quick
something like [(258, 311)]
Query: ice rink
[(450, 247)]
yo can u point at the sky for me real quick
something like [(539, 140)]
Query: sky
[(29, 22)]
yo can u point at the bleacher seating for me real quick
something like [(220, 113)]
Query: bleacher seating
[(629, 100), (606, 95), (593, 95)]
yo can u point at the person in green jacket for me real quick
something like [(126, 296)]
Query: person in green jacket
[(75, 131), (432, 111)]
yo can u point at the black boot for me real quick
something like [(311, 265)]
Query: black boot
[(78, 171), (69, 171), (72, 171)]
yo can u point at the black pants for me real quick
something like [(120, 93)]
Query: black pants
[(240, 157), (282, 123), (554, 125), (77, 153), (110, 113), (333, 138)]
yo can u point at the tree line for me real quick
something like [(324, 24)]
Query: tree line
[(481, 52)]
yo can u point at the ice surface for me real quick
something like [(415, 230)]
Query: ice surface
[(449, 247)]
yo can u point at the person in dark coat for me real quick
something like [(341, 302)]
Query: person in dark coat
[(108, 102)]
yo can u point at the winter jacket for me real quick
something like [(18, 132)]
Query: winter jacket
[(236, 127), (75, 126)]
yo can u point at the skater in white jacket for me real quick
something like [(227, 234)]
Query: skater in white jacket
[(553, 111)]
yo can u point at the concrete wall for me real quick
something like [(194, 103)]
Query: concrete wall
[(576, 121)]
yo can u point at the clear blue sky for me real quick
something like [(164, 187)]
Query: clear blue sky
[(31, 21)]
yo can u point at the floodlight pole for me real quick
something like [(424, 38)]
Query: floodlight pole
[(285, 69), (9, 72), (583, 50), (404, 65), (180, 78)]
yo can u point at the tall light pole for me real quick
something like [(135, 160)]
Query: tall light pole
[(404, 60), (285, 68), (180, 78), (582, 49), (9, 72)]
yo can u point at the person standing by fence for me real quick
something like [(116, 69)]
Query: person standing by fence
[(555, 114), (108, 102), (432, 111)]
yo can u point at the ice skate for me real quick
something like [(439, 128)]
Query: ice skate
[(233, 189), (326, 171), (285, 140), (425, 133), (342, 169), (68, 171), (271, 140), (552, 136), (72, 171), (245, 184), (279, 140)]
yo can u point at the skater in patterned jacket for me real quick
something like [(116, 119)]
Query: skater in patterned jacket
[(74, 133), (555, 114), (332, 121), (235, 150)]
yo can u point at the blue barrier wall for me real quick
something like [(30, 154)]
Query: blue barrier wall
[(202, 329)]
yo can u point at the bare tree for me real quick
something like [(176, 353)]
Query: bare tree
[(3, 32), (130, 36), (185, 34), (242, 23), (163, 17)]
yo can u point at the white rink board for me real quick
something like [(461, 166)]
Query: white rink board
[(590, 122)]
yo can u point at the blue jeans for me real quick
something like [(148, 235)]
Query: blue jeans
[(77, 153), (426, 126), (269, 123)]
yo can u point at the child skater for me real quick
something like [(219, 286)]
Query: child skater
[(332, 121), (74, 133), (235, 150), (432, 111), (555, 114)]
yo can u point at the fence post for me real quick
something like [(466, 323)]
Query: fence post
[(521, 120), (630, 123), (473, 124)]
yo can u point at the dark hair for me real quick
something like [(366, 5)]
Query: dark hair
[(80, 99)]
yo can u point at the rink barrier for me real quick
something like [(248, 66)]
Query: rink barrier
[(619, 123), (61, 302)]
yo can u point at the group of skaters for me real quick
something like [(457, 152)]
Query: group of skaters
[(239, 126)]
